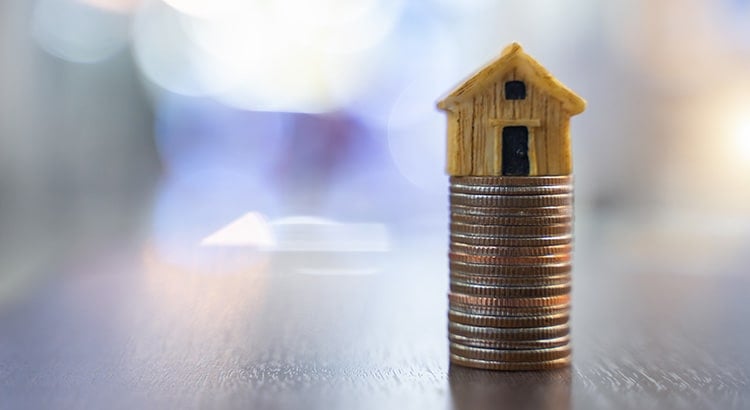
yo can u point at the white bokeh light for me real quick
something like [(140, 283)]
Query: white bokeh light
[(280, 56), (78, 32)]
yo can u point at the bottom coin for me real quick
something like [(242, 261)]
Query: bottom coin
[(510, 344), (503, 355), (510, 366)]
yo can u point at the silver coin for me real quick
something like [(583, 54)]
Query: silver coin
[(492, 240), (459, 247), (501, 355), (509, 311), (508, 321), (511, 231), (511, 344), (510, 281), (511, 212), (510, 291), (531, 201), (511, 220), (510, 366), (509, 271), (497, 333), (511, 190), (510, 260)]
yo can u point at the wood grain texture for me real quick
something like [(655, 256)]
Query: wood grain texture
[(127, 334), (478, 110)]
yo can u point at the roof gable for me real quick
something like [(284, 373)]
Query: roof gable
[(514, 57)]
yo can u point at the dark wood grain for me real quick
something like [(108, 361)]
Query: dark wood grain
[(254, 330)]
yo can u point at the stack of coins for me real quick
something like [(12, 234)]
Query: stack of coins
[(511, 241)]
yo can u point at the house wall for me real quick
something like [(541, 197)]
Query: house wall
[(475, 145)]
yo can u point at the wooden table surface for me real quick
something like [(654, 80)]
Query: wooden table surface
[(244, 329)]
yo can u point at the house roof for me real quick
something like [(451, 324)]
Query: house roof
[(514, 56)]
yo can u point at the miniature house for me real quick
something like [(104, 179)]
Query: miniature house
[(510, 118)]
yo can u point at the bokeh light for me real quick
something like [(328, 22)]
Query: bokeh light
[(79, 32)]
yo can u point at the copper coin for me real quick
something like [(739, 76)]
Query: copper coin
[(506, 241), (511, 190), (510, 366), (510, 281), (511, 201), (511, 291), (498, 355), (509, 311), (511, 212), (509, 260), (506, 270), (511, 344), (499, 333), (459, 247), (508, 302), (505, 321), (511, 220), (513, 180), (511, 231)]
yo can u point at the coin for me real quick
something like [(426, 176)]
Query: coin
[(508, 302), (511, 220), (510, 292), (510, 366), (497, 333), (510, 344), (459, 247), (513, 180), (509, 260), (510, 281), (505, 321), (511, 201), (510, 190), (511, 212), (518, 241), (526, 355), (508, 270), (511, 231), (509, 311)]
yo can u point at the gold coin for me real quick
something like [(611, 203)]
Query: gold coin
[(510, 366), (565, 210), (508, 302), (509, 260), (511, 190), (511, 201), (511, 231), (508, 333), (498, 355), (511, 344), (513, 180), (511, 220), (518, 241), (509, 311), (510, 281), (506, 270), (510, 291), (505, 321)]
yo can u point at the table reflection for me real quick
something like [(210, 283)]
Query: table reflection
[(483, 389)]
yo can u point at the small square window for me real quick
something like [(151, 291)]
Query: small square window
[(515, 90)]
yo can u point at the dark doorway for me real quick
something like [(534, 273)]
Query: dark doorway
[(515, 151)]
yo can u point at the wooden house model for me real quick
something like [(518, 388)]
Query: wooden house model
[(512, 117)]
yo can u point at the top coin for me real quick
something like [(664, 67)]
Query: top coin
[(511, 190), (513, 181)]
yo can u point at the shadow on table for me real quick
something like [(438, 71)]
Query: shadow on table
[(483, 389)]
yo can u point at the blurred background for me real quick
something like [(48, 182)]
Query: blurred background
[(166, 127)]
